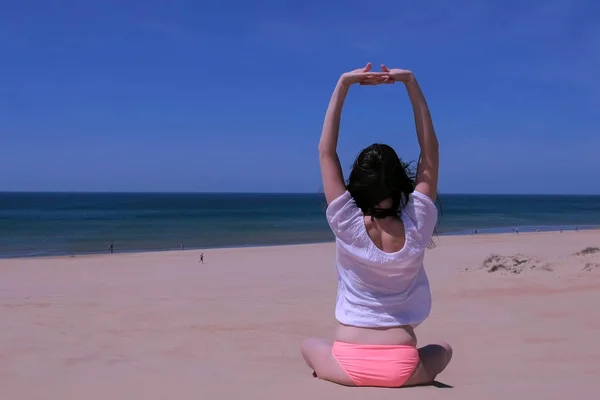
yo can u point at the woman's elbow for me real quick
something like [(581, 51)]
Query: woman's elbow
[(325, 151)]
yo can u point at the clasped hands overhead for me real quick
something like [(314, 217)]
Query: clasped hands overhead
[(364, 76)]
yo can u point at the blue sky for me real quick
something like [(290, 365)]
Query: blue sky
[(207, 96)]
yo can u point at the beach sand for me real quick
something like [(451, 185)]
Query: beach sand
[(162, 326)]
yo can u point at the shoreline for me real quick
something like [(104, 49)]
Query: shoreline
[(436, 239)]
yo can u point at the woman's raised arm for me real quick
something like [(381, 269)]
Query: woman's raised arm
[(331, 170), (429, 161)]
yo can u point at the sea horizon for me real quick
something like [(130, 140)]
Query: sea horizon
[(70, 223), (441, 194)]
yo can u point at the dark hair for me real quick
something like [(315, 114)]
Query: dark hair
[(378, 174)]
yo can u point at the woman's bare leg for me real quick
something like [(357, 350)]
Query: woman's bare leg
[(434, 359), (318, 356)]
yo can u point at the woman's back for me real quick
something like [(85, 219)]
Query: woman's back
[(387, 234), (379, 288)]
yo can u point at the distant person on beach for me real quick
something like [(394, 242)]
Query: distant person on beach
[(383, 219), (201, 261), (110, 248), (181, 245)]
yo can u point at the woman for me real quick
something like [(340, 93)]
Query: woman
[(383, 221)]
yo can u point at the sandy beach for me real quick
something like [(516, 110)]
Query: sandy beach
[(523, 323)]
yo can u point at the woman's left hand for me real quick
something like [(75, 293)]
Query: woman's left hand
[(365, 76)]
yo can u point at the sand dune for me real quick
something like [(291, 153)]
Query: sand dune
[(520, 311)]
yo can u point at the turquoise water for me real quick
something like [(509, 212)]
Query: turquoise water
[(36, 224)]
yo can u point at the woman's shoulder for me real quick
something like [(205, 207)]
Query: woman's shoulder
[(344, 217), (422, 215)]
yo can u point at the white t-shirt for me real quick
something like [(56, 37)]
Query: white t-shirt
[(375, 288)]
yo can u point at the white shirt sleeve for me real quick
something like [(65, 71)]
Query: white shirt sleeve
[(344, 217), (423, 213)]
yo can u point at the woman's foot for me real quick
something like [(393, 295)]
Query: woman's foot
[(434, 358)]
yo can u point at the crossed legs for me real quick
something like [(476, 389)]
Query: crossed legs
[(317, 353)]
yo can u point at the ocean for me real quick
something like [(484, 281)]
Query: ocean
[(45, 224)]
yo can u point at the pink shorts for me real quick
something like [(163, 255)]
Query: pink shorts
[(376, 365)]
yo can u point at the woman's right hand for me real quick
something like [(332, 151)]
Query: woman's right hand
[(365, 76), (398, 75)]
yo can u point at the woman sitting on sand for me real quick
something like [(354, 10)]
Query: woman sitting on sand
[(383, 221)]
